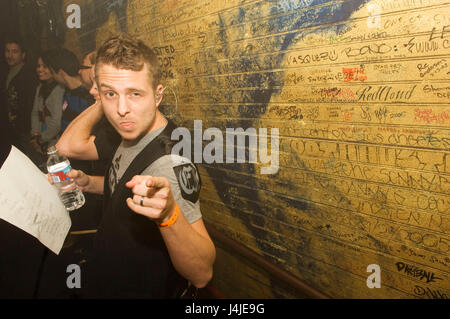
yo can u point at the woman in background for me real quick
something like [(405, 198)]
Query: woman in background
[(47, 108)]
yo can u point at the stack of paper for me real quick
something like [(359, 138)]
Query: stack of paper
[(28, 201)]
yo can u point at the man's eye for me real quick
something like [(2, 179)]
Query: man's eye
[(136, 94), (110, 94)]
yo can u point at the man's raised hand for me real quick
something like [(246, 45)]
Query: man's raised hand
[(152, 197)]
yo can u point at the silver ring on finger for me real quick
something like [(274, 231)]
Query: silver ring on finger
[(142, 201)]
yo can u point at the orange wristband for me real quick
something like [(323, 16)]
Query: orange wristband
[(172, 219)]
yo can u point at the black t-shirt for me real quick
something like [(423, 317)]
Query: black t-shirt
[(130, 258), (18, 100)]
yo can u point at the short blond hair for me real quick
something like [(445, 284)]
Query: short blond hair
[(125, 52)]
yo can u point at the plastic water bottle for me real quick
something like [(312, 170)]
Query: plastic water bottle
[(58, 166)]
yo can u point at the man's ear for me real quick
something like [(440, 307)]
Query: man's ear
[(159, 94)]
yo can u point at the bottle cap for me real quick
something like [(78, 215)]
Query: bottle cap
[(52, 150)]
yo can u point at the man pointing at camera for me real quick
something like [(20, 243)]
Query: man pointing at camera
[(151, 241)]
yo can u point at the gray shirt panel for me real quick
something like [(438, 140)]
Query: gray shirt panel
[(161, 167)]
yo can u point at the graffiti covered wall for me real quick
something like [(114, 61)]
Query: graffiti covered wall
[(359, 91)]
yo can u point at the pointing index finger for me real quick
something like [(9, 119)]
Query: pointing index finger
[(136, 180)]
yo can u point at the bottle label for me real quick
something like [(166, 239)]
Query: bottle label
[(60, 175)]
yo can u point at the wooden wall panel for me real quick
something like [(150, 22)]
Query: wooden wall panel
[(359, 90)]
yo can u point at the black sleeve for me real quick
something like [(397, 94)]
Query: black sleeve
[(106, 139)]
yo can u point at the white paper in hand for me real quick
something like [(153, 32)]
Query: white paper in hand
[(29, 202)]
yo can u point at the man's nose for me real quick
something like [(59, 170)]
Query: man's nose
[(122, 108)]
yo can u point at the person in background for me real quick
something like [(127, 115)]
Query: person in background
[(18, 90), (85, 70), (47, 107), (65, 68)]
